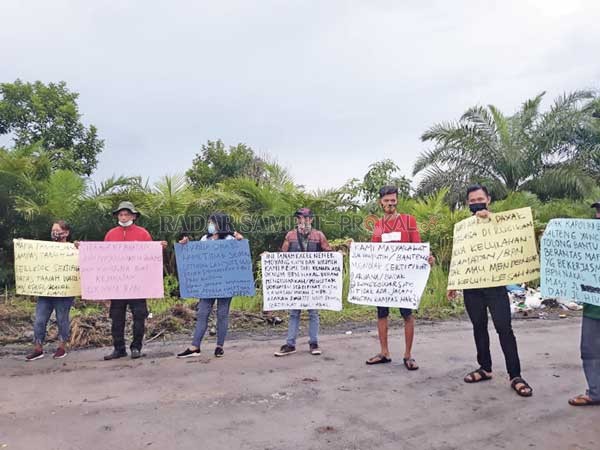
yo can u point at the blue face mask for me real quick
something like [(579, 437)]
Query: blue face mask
[(212, 229)]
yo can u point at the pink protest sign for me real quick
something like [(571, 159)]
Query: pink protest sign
[(121, 270)]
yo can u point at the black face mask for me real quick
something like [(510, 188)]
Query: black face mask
[(474, 207)]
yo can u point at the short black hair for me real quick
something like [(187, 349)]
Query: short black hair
[(477, 187), (387, 190)]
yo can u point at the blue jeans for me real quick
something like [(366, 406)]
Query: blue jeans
[(294, 326), (590, 355), (204, 308), (43, 311)]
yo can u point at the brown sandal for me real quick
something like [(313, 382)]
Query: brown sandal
[(525, 390), (583, 400), (483, 376)]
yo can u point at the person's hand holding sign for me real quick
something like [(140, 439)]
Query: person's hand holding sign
[(483, 214)]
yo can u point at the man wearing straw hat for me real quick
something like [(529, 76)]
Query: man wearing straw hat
[(127, 230)]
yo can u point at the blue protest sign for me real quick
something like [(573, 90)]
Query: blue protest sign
[(214, 269), (571, 260)]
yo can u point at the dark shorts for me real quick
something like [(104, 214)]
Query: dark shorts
[(384, 311)]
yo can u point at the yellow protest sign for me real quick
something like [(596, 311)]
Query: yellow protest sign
[(49, 269), (494, 252)]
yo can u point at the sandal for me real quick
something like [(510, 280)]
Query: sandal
[(410, 364), (483, 376), (525, 390), (378, 359), (583, 400)]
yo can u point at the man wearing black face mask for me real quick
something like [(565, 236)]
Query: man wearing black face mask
[(477, 303), (590, 349)]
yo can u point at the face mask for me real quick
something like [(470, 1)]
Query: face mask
[(304, 228), (474, 207), (212, 229), (126, 224), (56, 236)]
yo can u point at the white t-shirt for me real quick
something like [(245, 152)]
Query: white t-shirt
[(227, 238)]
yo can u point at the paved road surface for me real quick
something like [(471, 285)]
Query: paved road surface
[(251, 400)]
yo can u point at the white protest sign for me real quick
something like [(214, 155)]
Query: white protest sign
[(393, 274), (302, 280)]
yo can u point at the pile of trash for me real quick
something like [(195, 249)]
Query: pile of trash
[(526, 302)]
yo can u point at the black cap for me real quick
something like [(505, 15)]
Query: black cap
[(596, 205)]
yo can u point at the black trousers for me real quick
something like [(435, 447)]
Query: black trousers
[(118, 311), (477, 303)]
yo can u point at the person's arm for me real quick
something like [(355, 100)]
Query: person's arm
[(286, 243), (413, 230), (325, 247), (377, 230)]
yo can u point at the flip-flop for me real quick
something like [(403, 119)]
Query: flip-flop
[(410, 364), (470, 377), (522, 391), (583, 400), (382, 360)]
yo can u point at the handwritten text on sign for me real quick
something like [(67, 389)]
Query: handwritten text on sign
[(393, 275), (302, 280), (121, 270), (215, 269), (494, 252), (571, 260), (49, 269)]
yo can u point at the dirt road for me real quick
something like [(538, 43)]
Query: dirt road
[(251, 400)]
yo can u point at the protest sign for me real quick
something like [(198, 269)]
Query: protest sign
[(121, 270), (215, 269), (494, 252), (302, 280), (48, 269), (571, 260), (390, 274)]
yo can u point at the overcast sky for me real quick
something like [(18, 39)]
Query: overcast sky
[(325, 87)]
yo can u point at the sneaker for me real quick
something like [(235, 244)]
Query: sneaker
[(285, 350), (188, 353), (135, 353), (59, 353), (219, 352), (115, 354), (35, 354), (314, 349)]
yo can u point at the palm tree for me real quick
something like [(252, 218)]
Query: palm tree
[(528, 151)]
